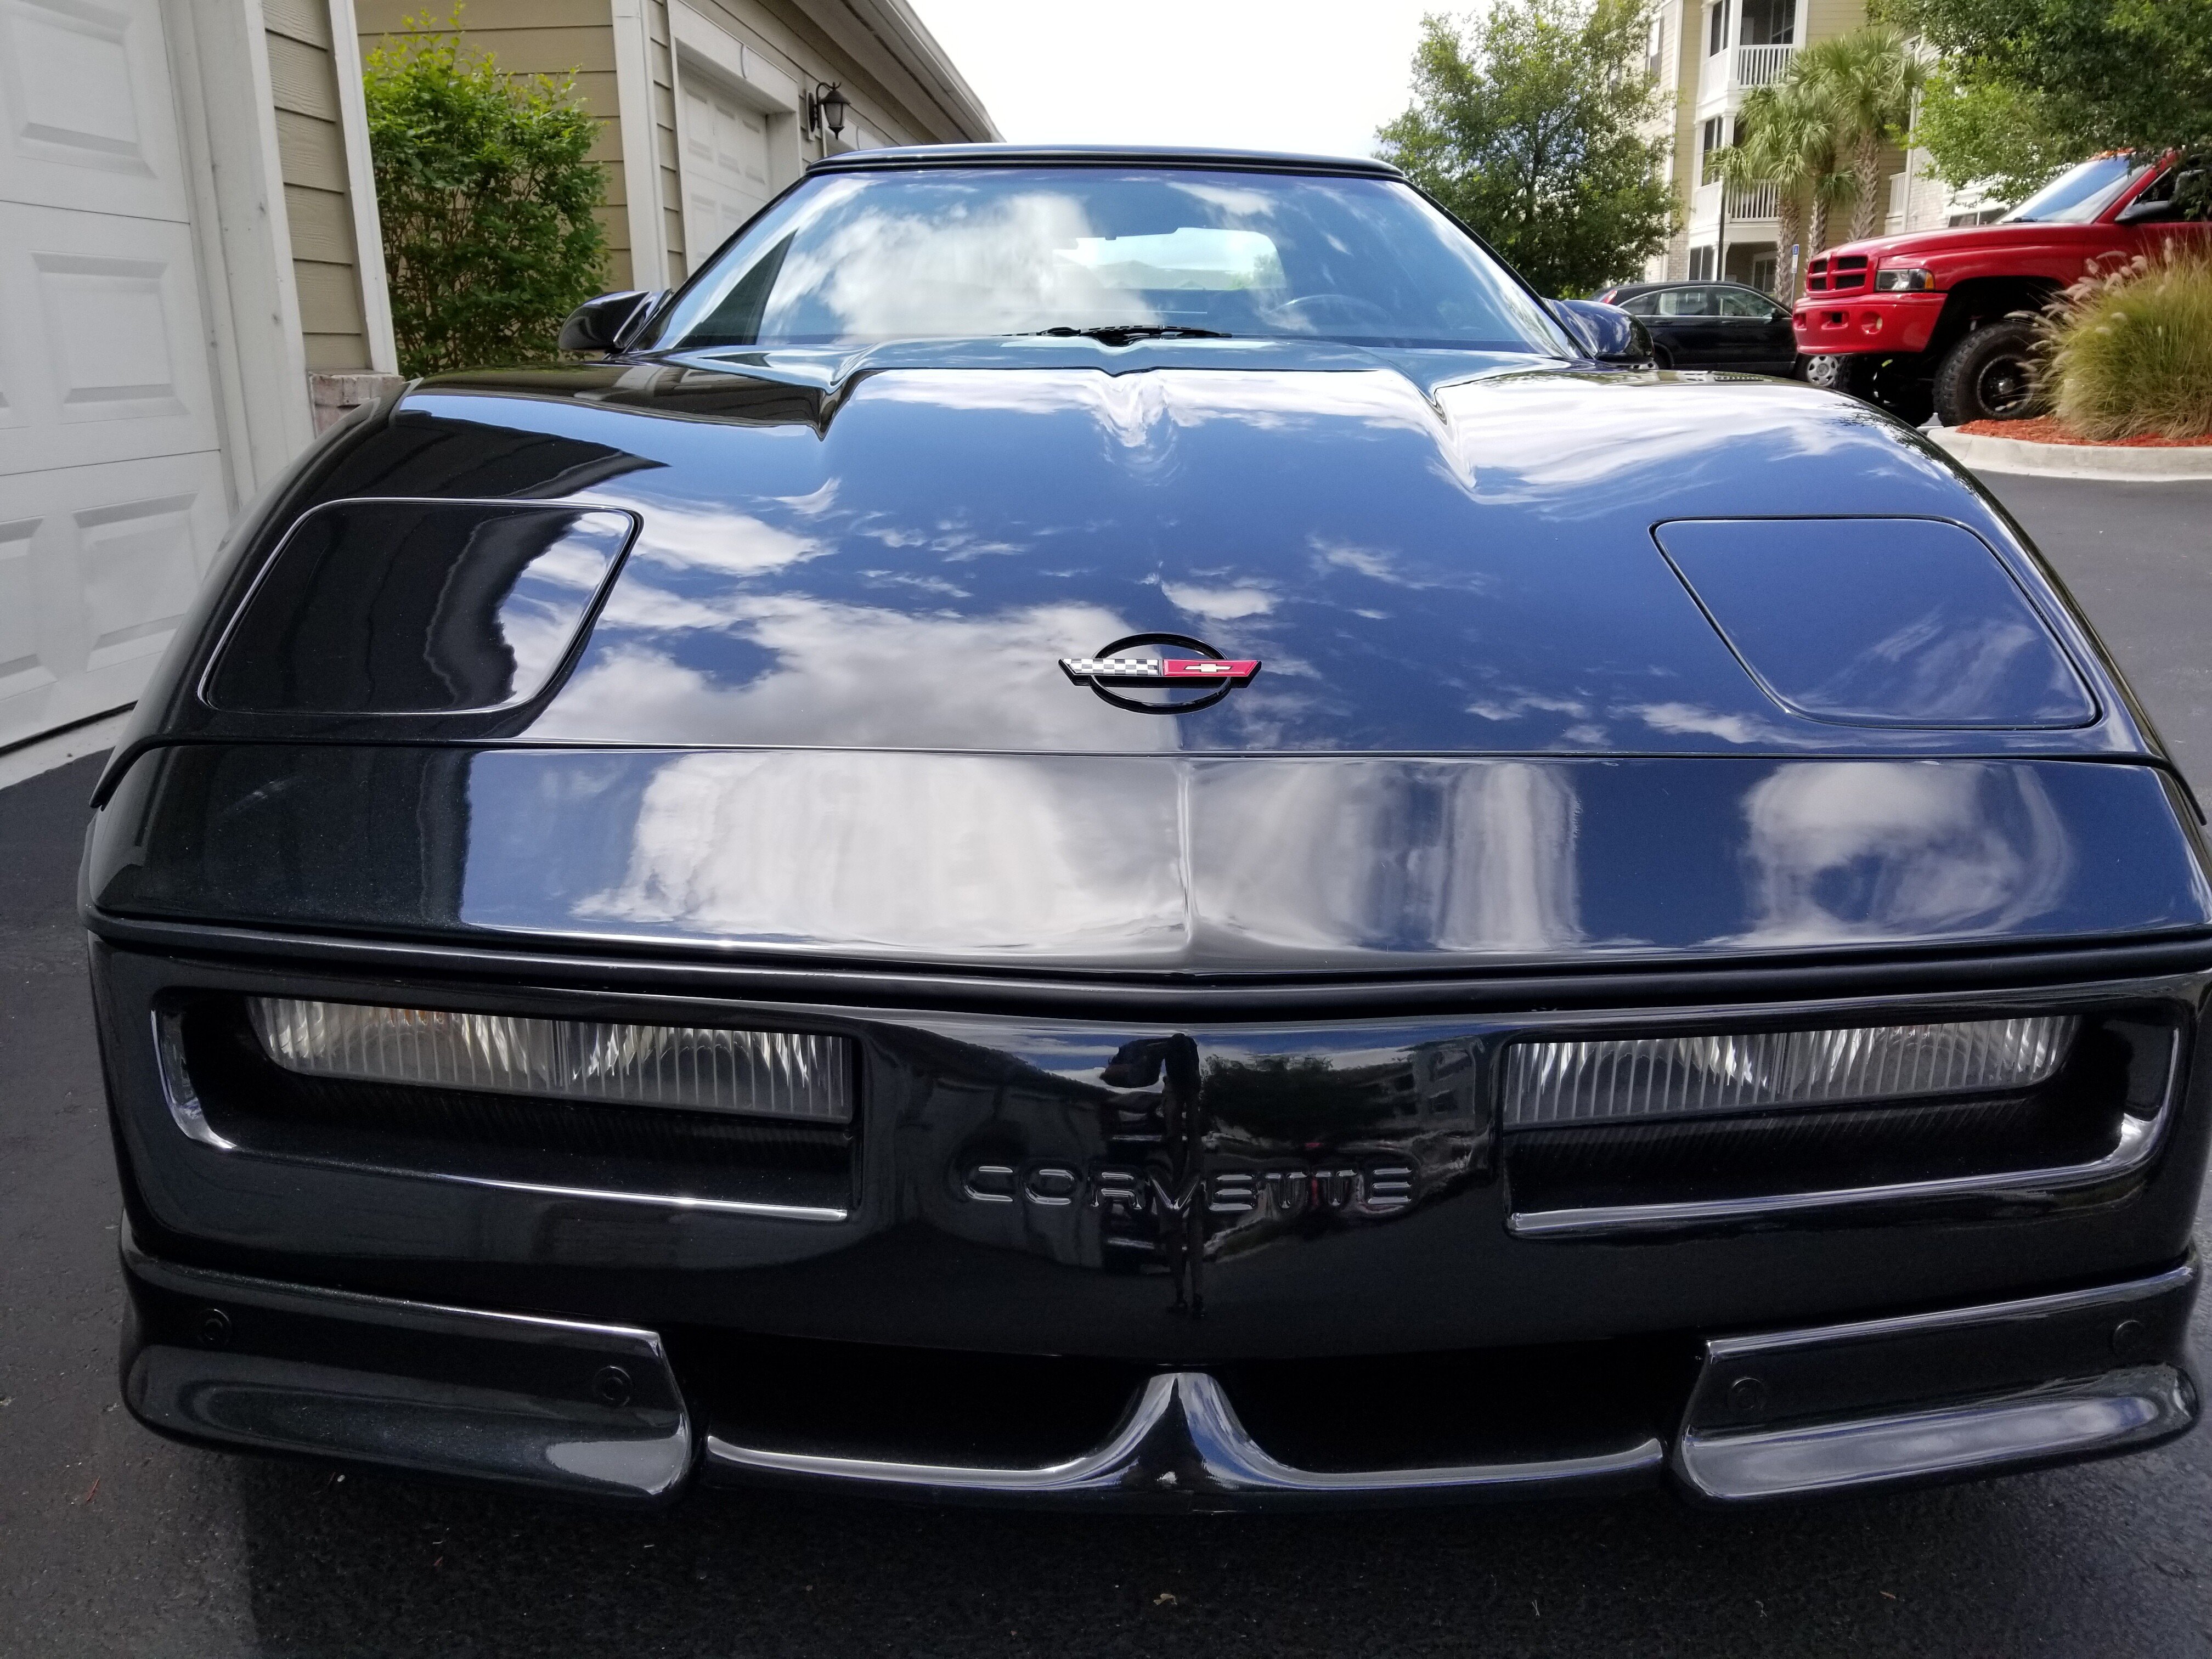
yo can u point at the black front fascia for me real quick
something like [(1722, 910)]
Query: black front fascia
[(1138, 1189)]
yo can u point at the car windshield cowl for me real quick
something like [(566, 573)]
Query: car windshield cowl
[(1124, 333), (1114, 254)]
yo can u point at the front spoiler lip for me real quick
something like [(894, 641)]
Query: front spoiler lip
[(564, 1408), (1180, 1446)]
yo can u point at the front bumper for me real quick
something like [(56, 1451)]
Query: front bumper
[(600, 1412), (1893, 324), (1305, 1265)]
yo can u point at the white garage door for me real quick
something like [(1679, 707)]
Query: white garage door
[(112, 493), (725, 164)]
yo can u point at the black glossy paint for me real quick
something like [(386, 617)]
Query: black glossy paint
[(1316, 864), (1724, 326), (1434, 553), (400, 607), (1180, 1034), (1368, 1214), (1879, 622)]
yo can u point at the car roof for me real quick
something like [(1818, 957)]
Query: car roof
[(1686, 282), (1022, 155)]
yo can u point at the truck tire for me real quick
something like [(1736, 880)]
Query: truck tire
[(1896, 384), (1900, 386), (1994, 374)]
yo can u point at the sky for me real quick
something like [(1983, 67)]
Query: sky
[(1249, 73)]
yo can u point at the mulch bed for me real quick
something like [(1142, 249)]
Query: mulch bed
[(2045, 429)]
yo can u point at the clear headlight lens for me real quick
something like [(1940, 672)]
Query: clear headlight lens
[(1904, 282), (1624, 1078), (783, 1074)]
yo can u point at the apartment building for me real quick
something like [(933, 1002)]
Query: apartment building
[(1706, 55)]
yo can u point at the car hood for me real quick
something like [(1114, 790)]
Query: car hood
[(821, 711), (1427, 553)]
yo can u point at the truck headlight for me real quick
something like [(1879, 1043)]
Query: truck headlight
[(1904, 281)]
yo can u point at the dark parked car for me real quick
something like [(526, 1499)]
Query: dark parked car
[(1710, 325), (1106, 828)]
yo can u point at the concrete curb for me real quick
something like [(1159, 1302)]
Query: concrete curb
[(2107, 462)]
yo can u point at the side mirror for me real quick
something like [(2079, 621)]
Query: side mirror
[(2140, 212), (608, 323), (1606, 333)]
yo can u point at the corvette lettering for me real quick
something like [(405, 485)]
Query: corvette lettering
[(1125, 1191)]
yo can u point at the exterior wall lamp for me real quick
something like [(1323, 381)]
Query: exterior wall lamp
[(825, 106)]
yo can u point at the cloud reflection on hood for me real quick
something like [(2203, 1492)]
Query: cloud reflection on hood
[(1388, 855), (955, 854), (1542, 440), (1866, 850), (852, 676)]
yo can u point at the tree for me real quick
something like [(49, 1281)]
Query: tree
[(486, 194), (1992, 133), (2025, 87), (1786, 138), (1867, 80), (1527, 128)]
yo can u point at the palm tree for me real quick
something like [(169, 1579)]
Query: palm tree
[(1786, 138), (1867, 80)]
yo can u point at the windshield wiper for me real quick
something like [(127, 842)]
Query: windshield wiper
[(1122, 334)]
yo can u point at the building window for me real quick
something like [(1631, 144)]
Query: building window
[(1715, 28), (1655, 46), (1768, 22), (1701, 263), (1711, 137)]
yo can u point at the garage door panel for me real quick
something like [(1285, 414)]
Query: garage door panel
[(21, 669), (98, 566), (726, 161), (99, 354), (85, 107), (112, 489)]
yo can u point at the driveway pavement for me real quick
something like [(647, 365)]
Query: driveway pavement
[(114, 1542)]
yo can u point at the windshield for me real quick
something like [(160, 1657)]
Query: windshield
[(2079, 194), (857, 258)]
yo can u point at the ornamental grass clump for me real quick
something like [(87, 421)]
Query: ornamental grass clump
[(2131, 349), (488, 199)]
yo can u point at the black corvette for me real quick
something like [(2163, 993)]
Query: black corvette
[(1119, 829)]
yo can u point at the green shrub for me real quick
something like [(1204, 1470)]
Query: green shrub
[(2131, 350), (487, 196)]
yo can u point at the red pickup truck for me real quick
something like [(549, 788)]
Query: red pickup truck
[(1943, 320)]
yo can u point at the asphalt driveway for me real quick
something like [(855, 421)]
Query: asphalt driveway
[(113, 1541)]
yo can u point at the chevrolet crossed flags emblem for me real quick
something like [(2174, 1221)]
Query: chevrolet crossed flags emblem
[(1209, 673), (1159, 670)]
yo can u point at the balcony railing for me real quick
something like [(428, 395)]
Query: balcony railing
[(1733, 70), (1761, 66), (1747, 202), (1753, 201)]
